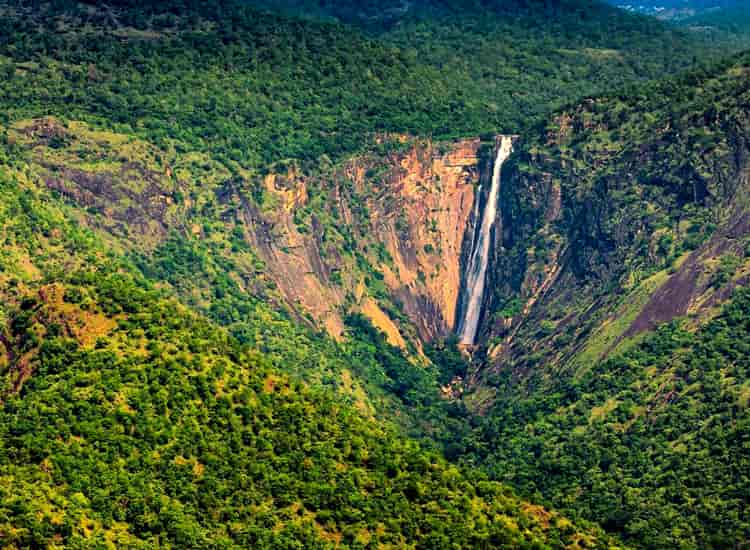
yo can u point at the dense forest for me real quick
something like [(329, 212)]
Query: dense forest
[(734, 19), (655, 437), (127, 420), (253, 88), (167, 433), (652, 443), (158, 388), (603, 418)]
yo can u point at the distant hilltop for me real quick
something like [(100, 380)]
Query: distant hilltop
[(676, 9)]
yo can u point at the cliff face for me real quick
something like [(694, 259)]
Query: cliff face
[(424, 231), (611, 222), (293, 258), (380, 233), (620, 217)]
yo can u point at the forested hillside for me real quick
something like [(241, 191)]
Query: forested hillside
[(128, 420), (254, 88), (652, 443), (617, 195), (521, 59), (234, 236), (733, 20), (627, 214)]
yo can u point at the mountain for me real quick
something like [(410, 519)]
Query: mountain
[(679, 9), (725, 21), (614, 372), (290, 172), (733, 21), (618, 192), (237, 241), (139, 219), (129, 421)]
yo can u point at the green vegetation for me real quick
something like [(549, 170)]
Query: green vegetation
[(159, 387), (165, 432), (254, 88), (585, 407), (651, 443), (127, 420), (493, 48), (729, 24), (644, 178)]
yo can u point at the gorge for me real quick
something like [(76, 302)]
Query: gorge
[(290, 278)]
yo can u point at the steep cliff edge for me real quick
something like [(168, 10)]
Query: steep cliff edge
[(432, 196), (381, 233), (613, 373), (623, 214)]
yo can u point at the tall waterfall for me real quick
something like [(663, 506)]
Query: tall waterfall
[(477, 270)]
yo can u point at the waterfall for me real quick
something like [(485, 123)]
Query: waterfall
[(476, 273), (476, 215)]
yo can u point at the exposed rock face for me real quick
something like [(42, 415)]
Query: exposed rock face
[(411, 230), (293, 259), (425, 229), (107, 174), (603, 240), (381, 234), (695, 286)]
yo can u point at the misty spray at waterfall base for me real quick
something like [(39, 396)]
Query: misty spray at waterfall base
[(476, 272)]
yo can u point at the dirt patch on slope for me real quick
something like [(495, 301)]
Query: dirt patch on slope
[(683, 290)]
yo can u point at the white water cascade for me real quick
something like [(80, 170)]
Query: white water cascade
[(477, 271)]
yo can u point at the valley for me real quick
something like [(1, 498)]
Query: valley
[(444, 274)]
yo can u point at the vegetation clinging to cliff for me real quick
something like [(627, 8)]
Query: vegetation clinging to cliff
[(649, 226), (128, 420)]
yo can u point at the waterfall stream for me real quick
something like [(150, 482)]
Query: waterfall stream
[(476, 273)]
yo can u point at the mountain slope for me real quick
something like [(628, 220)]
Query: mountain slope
[(128, 420), (653, 442), (626, 215), (219, 94), (614, 198), (259, 169), (255, 88), (732, 22), (521, 59)]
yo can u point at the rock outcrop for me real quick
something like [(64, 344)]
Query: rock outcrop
[(407, 214), (381, 234)]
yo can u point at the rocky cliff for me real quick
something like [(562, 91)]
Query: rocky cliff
[(381, 233), (622, 215), (378, 229)]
